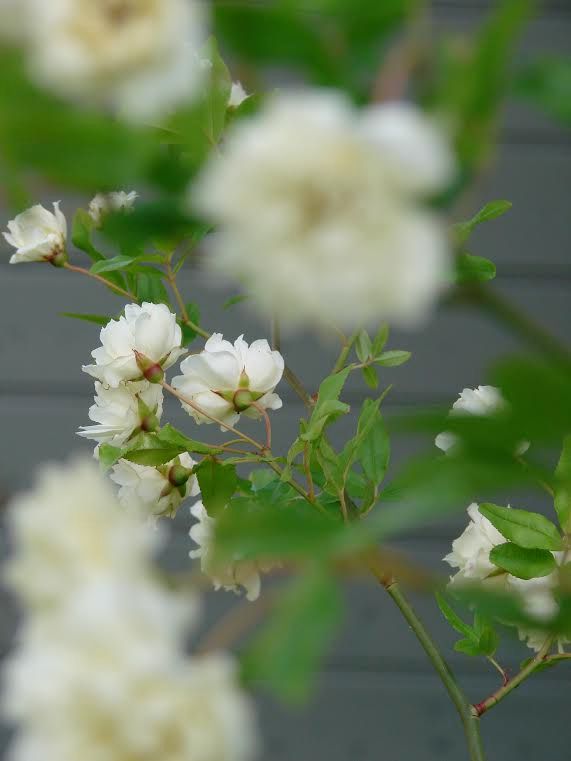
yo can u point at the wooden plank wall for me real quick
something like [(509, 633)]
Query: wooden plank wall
[(377, 698)]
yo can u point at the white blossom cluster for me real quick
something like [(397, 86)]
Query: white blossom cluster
[(138, 58), (321, 209), (99, 670), (470, 557)]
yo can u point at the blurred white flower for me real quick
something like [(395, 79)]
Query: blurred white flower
[(321, 210), (100, 671), (68, 530), (123, 411), (136, 56), (224, 379), (104, 203), (151, 491), (237, 95), (471, 551), (150, 330), (38, 235), (480, 401), (241, 574)]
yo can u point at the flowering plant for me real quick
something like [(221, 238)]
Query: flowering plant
[(331, 206)]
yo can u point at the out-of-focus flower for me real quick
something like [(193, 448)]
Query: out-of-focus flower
[(104, 203), (38, 235), (321, 210), (123, 411), (68, 530), (14, 22), (237, 95), (235, 576), (471, 551), (142, 342), (150, 491), (99, 670), (480, 401), (226, 379), (137, 57)]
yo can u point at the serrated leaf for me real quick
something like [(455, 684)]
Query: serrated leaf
[(154, 457), (393, 358), (562, 498), (525, 563), (109, 455), (218, 482), (119, 262), (370, 376), (149, 288), (170, 435), (491, 210), (380, 339), (363, 346), (453, 618), (474, 269), (374, 451), (97, 319), (527, 529)]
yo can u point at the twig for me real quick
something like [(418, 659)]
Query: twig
[(100, 279), (171, 277)]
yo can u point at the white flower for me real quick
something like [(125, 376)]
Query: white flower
[(321, 210), (120, 412), (68, 529), (471, 551), (38, 235), (224, 379), (480, 401), (237, 95), (104, 203), (149, 329), (240, 574), (135, 56), (148, 491)]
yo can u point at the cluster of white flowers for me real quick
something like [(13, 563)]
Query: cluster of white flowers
[(137, 57), (231, 576), (104, 203), (321, 209), (226, 380), (100, 671), (480, 402), (470, 557)]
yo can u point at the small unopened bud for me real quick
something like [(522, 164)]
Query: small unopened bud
[(152, 371), (242, 400), (178, 475)]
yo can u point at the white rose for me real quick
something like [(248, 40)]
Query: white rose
[(148, 491), (471, 551), (233, 577), (321, 210), (151, 330), (224, 379), (480, 401), (104, 203), (138, 58), (123, 411), (38, 235)]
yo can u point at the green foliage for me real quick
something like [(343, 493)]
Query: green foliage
[(492, 210), (109, 455), (525, 563), (287, 652), (547, 83), (154, 457), (393, 358), (478, 640), (562, 499), (474, 269), (188, 333), (170, 435), (218, 482), (527, 529), (97, 319), (328, 407)]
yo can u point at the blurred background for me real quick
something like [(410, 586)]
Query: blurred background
[(377, 697)]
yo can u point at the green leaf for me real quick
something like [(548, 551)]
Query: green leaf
[(363, 346), (151, 288), (235, 300), (170, 435), (468, 647), (327, 407), (287, 652), (474, 269), (331, 466), (188, 333), (453, 618), (527, 529), (153, 457), (109, 455), (491, 210), (218, 482), (97, 319), (373, 451), (120, 262), (525, 563), (370, 376), (331, 388), (380, 339), (547, 83), (563, 487), (81, 230), (393, 358)]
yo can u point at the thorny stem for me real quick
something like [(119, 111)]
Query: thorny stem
[(469, 719), (108, 283), (480, 708), (171, 277)]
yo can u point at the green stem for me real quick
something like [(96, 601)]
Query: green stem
[(289, 375), (470, 721), (517, 321), (171, 277), (344, 353), (498, 695)]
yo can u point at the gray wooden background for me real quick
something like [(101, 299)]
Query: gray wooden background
[(377, 698)]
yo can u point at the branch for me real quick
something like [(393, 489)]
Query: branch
[(100, 279), (171, 277)]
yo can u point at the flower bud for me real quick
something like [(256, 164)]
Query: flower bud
[(152, 371), (178, 475)]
